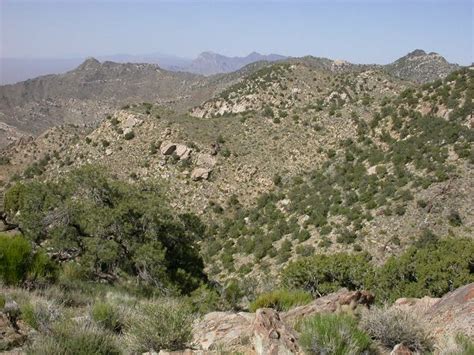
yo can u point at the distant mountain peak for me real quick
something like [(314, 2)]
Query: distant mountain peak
[(208, 62), (89, 63), (416, 53), (421, 67)]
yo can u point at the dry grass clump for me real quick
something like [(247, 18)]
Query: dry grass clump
[(162, 324), (392, 326)]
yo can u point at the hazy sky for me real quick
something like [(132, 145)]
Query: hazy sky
[(367, 31)]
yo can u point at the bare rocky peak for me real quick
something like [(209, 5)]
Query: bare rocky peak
[(421, 67)]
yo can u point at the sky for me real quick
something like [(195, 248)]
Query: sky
[(365, 31)]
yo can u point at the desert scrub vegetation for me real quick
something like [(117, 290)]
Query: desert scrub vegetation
[(19, 263), (392, 326), (322, 274), (432, 268), (41, 314), (333, 334), (394, 157), (72, 338), (108, 315), (162, 324), (281, 300), (115, 229)]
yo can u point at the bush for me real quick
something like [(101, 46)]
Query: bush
[(281, 300), (204, 300), (108, 316), (68, 338), (163, 324), (460, 344), (129, 135), (19, 263), (392, 326), (430, 268), (322, 274), (40, 315), (333, 334), (91, 213), (15, 259)]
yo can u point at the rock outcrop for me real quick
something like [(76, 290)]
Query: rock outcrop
[(447, 316), (267, 331), (223, 330), (271, 336), (200, 174), (330, 303)]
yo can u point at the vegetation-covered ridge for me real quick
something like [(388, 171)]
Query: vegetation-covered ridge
[(399, 166)]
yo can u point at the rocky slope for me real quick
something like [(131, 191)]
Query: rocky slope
[(421, 67), (85, 94)]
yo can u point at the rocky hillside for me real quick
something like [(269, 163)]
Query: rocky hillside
[(85, 94), (421, 67), (359, 161), (405, 171)]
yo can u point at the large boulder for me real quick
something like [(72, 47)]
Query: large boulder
[(453, 313), (267, 331), (271, 336), (182, 151), (206, 161), (223, 330)]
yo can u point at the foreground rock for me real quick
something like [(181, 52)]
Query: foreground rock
[(341, 300), (447, 316), (267, 331), (271, 335), (12, 335)]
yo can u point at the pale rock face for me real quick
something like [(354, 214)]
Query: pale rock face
[(206, 160), (372, 170), (167, 148), (271, 336), (222, 329), (200, 174), (401, 349), (182, 151), (446, 316), (130, 122)]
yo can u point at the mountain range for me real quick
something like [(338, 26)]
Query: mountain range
[(13, 70), (263, 187)]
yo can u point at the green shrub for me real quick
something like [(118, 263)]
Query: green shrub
[(69, 338), (102, 213), (333, 334), (460, 345), (392, 326), (322, 274), (281, 300), (108, 316), (204, 300), (15, 259), (129, 135), (430, 268), (163, 324)]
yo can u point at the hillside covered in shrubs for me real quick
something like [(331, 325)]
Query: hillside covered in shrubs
[(161, 231)]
